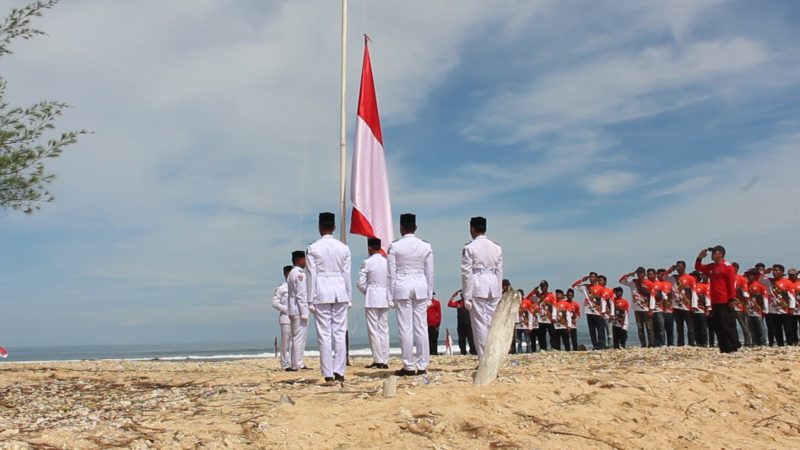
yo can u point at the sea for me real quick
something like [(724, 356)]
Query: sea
[(202, 351)]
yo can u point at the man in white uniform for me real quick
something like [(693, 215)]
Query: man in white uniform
[(298, 309), (481, 280), (372, 283), (410, 284), (280, 301), (328, 287)]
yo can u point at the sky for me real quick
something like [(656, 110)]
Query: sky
[(593, 135)]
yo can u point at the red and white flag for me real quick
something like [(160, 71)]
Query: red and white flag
[(3, 352), (369, 182)]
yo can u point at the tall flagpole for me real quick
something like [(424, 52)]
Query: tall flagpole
[(342, 139)]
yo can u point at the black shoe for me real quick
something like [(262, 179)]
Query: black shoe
[(329, 379), (338, 377), (383, 366), (305, 368), (289, 369), (405, 373), (422, 372), (373, 366)]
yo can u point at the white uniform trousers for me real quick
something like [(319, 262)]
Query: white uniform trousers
[(299, 330), (412, 326), (331, 323), (286, 345), (378, 333), (480, 316)]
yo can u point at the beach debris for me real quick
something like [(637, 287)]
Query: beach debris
[(390, 387), (285, 400)]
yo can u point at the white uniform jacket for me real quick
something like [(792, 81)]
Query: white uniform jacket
[(296, 292), (372, 281), (280, 301), (481, 269), (410, 269), (328, 271)]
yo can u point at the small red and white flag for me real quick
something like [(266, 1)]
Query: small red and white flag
[(369, 182), (3, 352), (448, 343)]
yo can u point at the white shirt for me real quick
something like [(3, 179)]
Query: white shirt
[(410, 273), (296, 292), (372, 281), (640, 302), (481, 269), (328, 271), (280, 301)]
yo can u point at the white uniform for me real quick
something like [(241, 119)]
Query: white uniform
[(328, 287), (481, 285), (280, 301), (372, 283), (410, 285), (298, 315)]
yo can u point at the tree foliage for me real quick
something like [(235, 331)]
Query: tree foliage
[(27, 139)]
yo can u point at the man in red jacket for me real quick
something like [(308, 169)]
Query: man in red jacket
[(722, 278), (434, 320)]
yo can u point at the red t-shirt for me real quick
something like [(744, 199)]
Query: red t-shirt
[(575, 308), (434, 313), (722, 278)]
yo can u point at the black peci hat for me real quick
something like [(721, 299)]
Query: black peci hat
[(327, 219), (408, 220), (298, 254), (374, 242)]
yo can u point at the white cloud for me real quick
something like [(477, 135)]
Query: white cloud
[(610, 182)]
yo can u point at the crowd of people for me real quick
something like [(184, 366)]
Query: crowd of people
[(670, 306)]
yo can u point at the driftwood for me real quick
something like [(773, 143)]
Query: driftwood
[(499, 340)]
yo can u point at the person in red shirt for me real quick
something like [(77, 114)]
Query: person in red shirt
[(576, 314), (620, 318), (756, 306), (545, 301), (562, 321), (434, 320), (656, 309), (722, 290), (665, 292), (463, 324), (739, 306), (793, 278)]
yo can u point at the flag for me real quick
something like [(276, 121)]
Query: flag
[(448, 343), (3, 352), (369, 182)]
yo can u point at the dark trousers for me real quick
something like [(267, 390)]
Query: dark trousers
[(644, 326), (790, 328), (562, 336), (700, 329), (464, 331), (433, 339), (756, 325), (597, 331), (573, 336), (669, 328), (724, 320), (775, 329), (658, 330), (620, 337), (741, 319), (544, 330), (711, 333), (683, 321)]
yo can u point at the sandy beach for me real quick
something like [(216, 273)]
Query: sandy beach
[(639, 398)]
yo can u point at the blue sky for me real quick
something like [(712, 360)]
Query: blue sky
[(594, 135)]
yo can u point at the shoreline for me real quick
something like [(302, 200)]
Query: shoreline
[(636, 398)]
